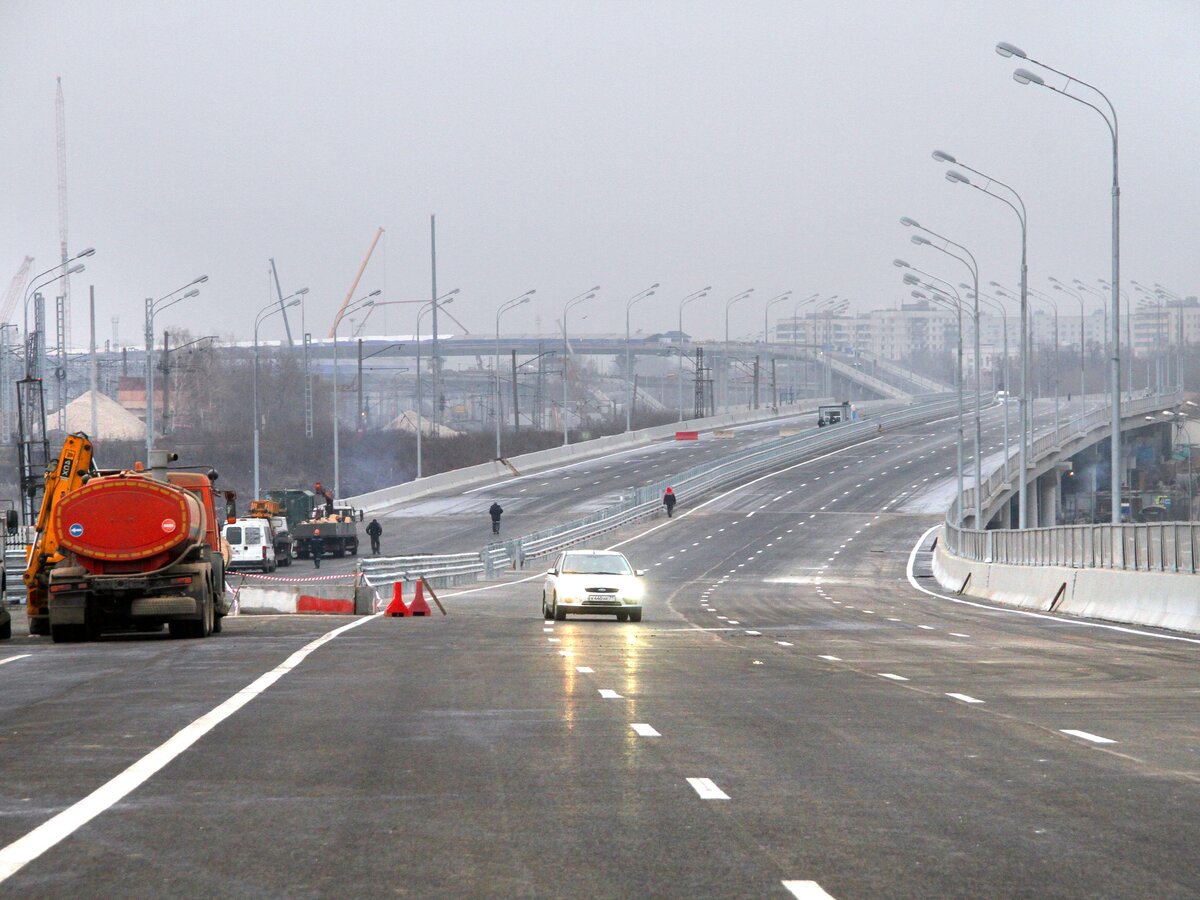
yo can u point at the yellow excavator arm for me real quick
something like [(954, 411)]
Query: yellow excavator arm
[(70, 470)]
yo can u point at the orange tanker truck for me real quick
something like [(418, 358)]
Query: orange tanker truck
[(128, 549)]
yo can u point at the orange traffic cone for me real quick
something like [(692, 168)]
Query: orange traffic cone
[(419, 606), (396, 608)]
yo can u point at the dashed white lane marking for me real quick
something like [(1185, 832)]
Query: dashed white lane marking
[(958, 634), (831, 658), (807, 890), (1087, 736), (554, 640), (706, 789), (606, 694), (548, 630), (584, 670), (644, 730), (15, 658), (784, 644), (926, 627), (28, 848), (891, 676), (965, 698), (753, 632)]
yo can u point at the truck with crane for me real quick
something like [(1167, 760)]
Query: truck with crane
[(125, 549)]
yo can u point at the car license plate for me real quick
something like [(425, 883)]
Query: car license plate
[(600, 598)]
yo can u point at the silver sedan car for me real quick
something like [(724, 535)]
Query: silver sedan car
[(593, 582)]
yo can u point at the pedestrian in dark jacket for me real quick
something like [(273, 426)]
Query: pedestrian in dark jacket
[(669, 501), (374, 530), (495, 511)]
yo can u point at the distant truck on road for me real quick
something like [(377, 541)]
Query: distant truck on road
[(338, 533)]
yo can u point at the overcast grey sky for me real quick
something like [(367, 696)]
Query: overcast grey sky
[(564, 144)]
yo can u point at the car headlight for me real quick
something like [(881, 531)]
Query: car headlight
[(633, 593)]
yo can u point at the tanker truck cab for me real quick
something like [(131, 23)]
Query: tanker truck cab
[(251, 545)]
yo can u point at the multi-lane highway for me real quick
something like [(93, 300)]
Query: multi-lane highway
[(800, 710)]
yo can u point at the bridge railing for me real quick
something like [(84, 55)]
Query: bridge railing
[(644, 502), (1144, 547)]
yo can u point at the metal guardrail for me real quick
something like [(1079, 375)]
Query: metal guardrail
[(1141, 547), (645, 502)]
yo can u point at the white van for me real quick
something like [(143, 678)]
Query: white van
[(251, 544)]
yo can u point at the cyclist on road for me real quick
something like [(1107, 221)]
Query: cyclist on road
[(495, 511)]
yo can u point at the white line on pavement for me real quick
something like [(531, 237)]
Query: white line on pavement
[(643, 730), (15, 658), (1087, 736), (28, 848), (584, 670), (606, 694), (707, 790), (831, 658), (807, 890), (892, 676), (965, 698)]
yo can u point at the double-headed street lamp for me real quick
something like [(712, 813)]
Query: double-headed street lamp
[(766, 308), (275, 306), (1059, 286), (703, 292), (954, 301), (153, 308), (505, 307), (973, 268), (567, 307), (725, 361), (358, 304), (445, 300), (641, 295), (35, 286), (1024, 76), (795, 339), (996, 303)]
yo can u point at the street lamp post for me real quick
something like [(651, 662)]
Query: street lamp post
[(428, 307), (973, 268), (725, 361), (153, 307), (567, 307), (767, 329), (358, 304), (505, 307), (996, 303), (703, 292), (642, 295), (795, 339), (1024, 76), (1024, 404), (1059, 286), (275, 306), (1040, 295), (36, 286), (955, 304)]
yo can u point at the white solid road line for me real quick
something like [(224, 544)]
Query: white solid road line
[(1087, 736), (644, 730), (965, 698), (607, 694), (892, 677), (707, 790), (28, 848), (807, 890), (15, 658)]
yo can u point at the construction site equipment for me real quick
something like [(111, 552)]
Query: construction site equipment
[(296, 506), (121, 549), (337, 533), (272, 512)]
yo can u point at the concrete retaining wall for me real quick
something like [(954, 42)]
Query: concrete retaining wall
[(339, 599), (1155, 599)]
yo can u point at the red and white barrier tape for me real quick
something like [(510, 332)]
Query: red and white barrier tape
[(343, 577)]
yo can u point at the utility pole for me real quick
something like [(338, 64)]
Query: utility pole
[(308, 388), (359, 427), (516, 412), (433, 354), (93, 363), (166, 370), (756, 382)]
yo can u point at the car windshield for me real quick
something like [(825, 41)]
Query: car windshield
[(233, 534), (587, 564)]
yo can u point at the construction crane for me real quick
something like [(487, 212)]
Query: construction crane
[(60, 113), (15, 290), (354, 284)]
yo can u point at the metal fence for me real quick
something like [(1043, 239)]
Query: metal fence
[(1142, 547), (643, 503)]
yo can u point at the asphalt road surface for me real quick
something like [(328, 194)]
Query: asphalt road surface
[(800, 710)]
